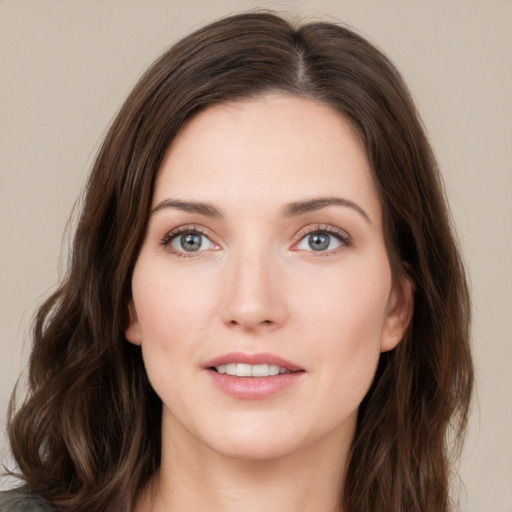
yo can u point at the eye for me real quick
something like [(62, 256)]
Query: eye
[(322, 240), (187, 241)]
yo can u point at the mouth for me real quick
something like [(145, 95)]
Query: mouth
[(253, 376), (262, 364), (250, 370)]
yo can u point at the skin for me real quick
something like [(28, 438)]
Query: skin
[(256, 285)]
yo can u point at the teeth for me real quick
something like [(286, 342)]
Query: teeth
[(243, 370), (273, 369), (248, 370)]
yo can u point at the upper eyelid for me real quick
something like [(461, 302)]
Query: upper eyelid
[(185, 228), (304, 230), (327, 228)]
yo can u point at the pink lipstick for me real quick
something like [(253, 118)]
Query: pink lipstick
[(253, 376)]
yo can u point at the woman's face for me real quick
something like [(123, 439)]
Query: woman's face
[(264, 254)]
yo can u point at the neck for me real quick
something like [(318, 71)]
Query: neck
[(195, 478)]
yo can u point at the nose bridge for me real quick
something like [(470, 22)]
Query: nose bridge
[(253, 296)]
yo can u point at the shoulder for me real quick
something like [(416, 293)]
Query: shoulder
[(18, 500)]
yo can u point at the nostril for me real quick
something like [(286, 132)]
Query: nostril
[(250, 326)]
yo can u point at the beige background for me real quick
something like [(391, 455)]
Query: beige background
[(65, 67)]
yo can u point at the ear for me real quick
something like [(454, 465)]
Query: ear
[(399, 313), (132, 332)]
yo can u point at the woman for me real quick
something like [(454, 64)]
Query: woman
[(265, 307)]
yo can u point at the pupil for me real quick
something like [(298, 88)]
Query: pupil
[(191, 242), (318, 242)]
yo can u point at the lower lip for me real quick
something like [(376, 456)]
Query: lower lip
[(254, 388)]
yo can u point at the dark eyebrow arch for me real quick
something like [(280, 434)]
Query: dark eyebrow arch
[(310, 205), (290, 210), (188, 206)]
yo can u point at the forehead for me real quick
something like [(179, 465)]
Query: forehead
[(273, 148)]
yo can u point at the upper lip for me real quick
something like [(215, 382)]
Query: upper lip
[(252, 359)]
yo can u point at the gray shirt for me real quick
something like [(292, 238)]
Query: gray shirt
[(18, 501)]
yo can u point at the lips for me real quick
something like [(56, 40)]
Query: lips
[(253, 376)]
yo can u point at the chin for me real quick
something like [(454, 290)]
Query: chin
[(259, 441), (261, 449), (251, 439)]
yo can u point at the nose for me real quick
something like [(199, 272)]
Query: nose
[(254, 297)]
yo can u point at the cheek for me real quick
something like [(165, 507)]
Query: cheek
[(174, 311), (346, 317), (169, 305), (349, 305), (169, 312)]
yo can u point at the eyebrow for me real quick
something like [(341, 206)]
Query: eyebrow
[(310, 205), (294, 209), (188, 206)]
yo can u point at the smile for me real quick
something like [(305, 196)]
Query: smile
[(253, 376), (249, 370)]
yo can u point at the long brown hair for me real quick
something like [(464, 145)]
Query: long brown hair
[(87, 437)]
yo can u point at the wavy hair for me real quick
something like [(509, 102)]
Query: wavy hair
[(91, 421)]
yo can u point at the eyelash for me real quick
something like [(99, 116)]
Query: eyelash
[(169, 237), (342, 237)]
